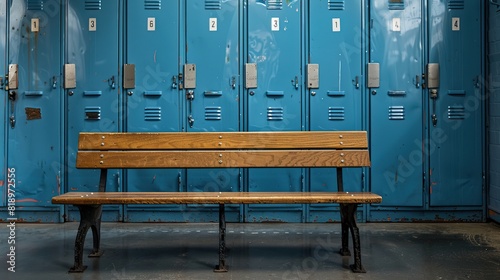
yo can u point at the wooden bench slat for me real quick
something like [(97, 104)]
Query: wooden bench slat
[(223, 140), (96, 198), (222, 159)]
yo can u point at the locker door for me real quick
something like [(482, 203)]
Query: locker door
[(93, 103), (3, 102), (34, 106), (152, 99), (275, 102), (455, 115), (212, 102), (396, 106), (335, 102)]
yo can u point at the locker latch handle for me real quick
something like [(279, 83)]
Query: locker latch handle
[(295, 82), (112, 83), (417, 81), (174, 82), (54, 82)]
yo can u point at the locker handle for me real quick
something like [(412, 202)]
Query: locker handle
[(92, 92), (213, 93), (153, 93), (417, 81), (275, 93), (335, 93), (33, 93)]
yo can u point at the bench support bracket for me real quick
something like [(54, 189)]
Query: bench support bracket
[(221, 267), (90, 217), (348, 217)]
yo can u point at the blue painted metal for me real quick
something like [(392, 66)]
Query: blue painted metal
[(493, 114), (3, 102), (396, 124), (96, 56), (274, 42), (213, 45), (34, 142), (154, 104), (456, 140), (336, 104)]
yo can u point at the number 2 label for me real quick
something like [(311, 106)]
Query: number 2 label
[(212, 24)]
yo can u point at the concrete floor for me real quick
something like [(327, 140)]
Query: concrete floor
[(258, 251)]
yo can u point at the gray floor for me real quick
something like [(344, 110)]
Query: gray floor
[(258, 251)]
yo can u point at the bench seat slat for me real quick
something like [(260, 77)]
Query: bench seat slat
[(223, 140), (222, 159), (96, 198)]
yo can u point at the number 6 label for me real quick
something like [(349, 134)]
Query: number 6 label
[(151, 24)]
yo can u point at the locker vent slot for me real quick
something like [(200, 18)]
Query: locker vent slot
[(93, 113), (152, 114), (456, 112), (396, 5), (336, 113), (92, 4), (213, 113), (213, 5), (456, 4), (396, 113), (275, 113), (35, 5), (336, 5), (152, 4), (275, 4)]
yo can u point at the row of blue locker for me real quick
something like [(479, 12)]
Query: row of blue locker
[(407, 71)]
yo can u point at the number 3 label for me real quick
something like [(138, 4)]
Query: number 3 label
[(275, 24), (212, 24), (92, 24), (455, 24), (151, 24)]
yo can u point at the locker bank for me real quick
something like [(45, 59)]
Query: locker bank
[(422, 78), (419, 76)]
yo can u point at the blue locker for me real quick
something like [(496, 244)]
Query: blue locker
[(3, 101), (34, 105), (275, 102), (336, 99), (152, 100), (396, 105), (455, 115), (213, 101), (93, 103)]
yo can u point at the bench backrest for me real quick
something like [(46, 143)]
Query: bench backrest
[(223, 149)]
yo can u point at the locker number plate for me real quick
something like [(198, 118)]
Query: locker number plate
[(92, 24), (275, 24), (212, 24), (455, 24), (336, 25), (35, 25), (396, 24), (151, 24)]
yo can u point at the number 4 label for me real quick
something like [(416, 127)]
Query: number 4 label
[(455, 24)]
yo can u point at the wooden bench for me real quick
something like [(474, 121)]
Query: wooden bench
[(218, 150)]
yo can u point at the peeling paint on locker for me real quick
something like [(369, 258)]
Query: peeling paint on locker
[(34, 103)]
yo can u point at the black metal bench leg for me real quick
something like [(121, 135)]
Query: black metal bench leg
[(221, 267), (344, 251), (90, 217), (351, 221)]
